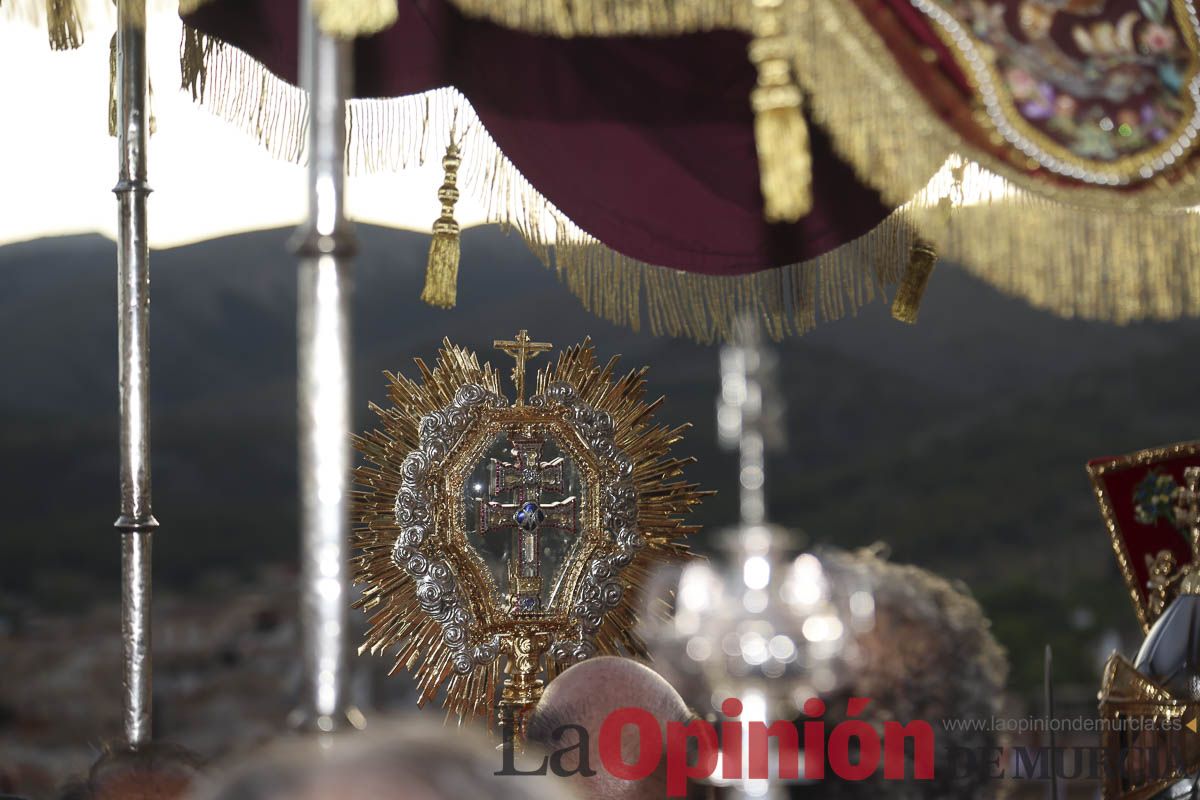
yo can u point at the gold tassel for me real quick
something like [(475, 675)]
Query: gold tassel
[(921, 260), (441, 274), (350, 18), (194, 49), (780, 132), (63, 24)]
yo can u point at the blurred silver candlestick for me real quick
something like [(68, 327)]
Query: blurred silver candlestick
[(750, 413), (770, 628), (136, 523), (325, 245)]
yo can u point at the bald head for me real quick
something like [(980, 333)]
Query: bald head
[(585, 695)]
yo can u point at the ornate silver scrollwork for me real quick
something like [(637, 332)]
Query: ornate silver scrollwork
[(437, 589)]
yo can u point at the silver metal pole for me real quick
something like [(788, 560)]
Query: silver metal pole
[(136, 523), (325, 245)]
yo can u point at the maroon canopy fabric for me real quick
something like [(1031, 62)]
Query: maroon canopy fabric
[(646, 143)]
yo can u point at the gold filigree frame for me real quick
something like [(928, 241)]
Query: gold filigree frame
[(432, 598)]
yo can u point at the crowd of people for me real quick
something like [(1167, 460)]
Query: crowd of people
[(931, 655)]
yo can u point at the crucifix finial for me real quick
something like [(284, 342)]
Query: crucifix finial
[(521, 348)]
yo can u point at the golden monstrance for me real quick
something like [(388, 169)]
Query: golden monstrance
[(492, 527)]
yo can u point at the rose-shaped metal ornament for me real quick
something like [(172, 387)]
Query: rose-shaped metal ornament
[(492, 528)]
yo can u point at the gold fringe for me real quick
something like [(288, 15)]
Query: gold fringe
[(791, 300), (237, 88), (878, 120), (1087, 253), (780, 132), (1101, 265), (1090, 253), (194, 49), (921, 261), (441, 274), (1111, 265), (881, 124), (63, 24), (69, 22), (611, 17), (343, 18), (872, 127), (350, 18)]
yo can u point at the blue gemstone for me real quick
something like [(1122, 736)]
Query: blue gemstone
[(529, 603), (529, 516)]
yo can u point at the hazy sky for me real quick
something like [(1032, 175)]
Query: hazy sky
[(58, 165)]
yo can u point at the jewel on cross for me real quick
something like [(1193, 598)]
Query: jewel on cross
[(527, 477)]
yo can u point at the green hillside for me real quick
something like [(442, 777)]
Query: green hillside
[(960, 441)]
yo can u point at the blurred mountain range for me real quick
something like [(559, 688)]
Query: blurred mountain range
[(959, 441)]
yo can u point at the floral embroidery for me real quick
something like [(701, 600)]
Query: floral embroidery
[(1154, 498), (1104, 79)]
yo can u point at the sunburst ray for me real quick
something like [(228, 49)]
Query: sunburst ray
[(440, 626)]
